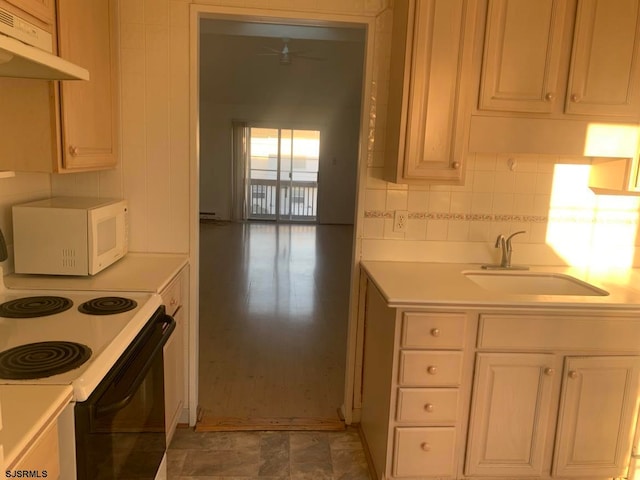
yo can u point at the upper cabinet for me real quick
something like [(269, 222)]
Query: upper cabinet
[(88, 110), (604, 78), (67, 126), (531, 63), (521, 61), (430, 89)]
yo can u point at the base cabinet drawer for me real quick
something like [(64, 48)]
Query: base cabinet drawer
[(420, 368), (423, 452), (427, 405)]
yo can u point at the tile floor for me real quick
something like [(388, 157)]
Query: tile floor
[(267, 456)]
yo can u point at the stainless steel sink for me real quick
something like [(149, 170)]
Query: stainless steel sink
[(532, 283)]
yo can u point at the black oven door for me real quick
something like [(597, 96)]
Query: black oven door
[(120, 429)]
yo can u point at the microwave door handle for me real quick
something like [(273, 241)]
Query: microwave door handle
[(124, 400)]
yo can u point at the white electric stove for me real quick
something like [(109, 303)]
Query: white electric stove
[(115, 371), (106, 336)]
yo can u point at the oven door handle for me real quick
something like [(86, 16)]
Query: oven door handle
[(123, 401)]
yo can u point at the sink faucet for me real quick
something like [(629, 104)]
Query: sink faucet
[(504, 244)]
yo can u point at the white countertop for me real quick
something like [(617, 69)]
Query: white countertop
[(136, 272), (437, 284), (27, 410)]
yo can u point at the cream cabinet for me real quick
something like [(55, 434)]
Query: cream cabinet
[(68, 126), (88, 110), (413, 403), (175, 298), (531, 62), (510, 414), (429, 90), (452, 393)]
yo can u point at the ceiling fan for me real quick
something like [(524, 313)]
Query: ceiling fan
[(286, 56)]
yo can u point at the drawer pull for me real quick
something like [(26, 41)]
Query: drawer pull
[(573, 374), (425, 447), (435, 332), (549, 371), (428, 407), (432, 369)]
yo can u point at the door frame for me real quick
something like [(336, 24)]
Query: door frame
[(353, 365)]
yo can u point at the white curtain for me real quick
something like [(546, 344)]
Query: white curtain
[(239, 170)]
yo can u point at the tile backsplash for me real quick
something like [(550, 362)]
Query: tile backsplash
[(548, 198)]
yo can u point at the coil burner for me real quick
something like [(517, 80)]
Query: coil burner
[(30, 307), (107, 306), (42, 359)]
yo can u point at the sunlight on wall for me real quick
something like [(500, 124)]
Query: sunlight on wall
[(590, 230), (611, 140)]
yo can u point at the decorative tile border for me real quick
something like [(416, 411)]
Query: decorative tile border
[(618, 218), (474, 217)]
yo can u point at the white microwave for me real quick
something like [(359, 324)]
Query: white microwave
[(69, 235)]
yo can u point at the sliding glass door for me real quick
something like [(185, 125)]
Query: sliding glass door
[(283, 174)]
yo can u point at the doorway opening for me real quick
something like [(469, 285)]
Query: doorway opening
[(276, 298), (283, 174)]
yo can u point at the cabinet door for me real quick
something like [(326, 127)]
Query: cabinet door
[(510, 414), (605, 74), (429, 90), (86, 36), (522, 53), (598, 408)]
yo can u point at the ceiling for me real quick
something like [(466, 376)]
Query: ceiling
[(235, 66)]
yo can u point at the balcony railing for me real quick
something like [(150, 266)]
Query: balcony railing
[(298, 200)]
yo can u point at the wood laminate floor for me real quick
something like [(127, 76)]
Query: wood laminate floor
[(273, 323)]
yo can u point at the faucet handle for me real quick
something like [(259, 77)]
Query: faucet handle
[(500, 241)]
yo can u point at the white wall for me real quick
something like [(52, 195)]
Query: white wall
[(154, 171), (237, 82)]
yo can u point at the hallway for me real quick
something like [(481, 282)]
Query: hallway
[(273, 323)]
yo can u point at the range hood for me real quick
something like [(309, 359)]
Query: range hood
[(26, 52)]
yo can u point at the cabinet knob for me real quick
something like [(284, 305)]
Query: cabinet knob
[(425, 447), (575, 98), (550, 96), (73, 150), (432, 369), (573, 374), (549, 371), (428, 407), (435, 332), (455, 165), (173, 302)]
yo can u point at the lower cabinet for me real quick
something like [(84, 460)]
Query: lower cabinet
[(510, 411), (518, 395), (175, 299), (510, 431)]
